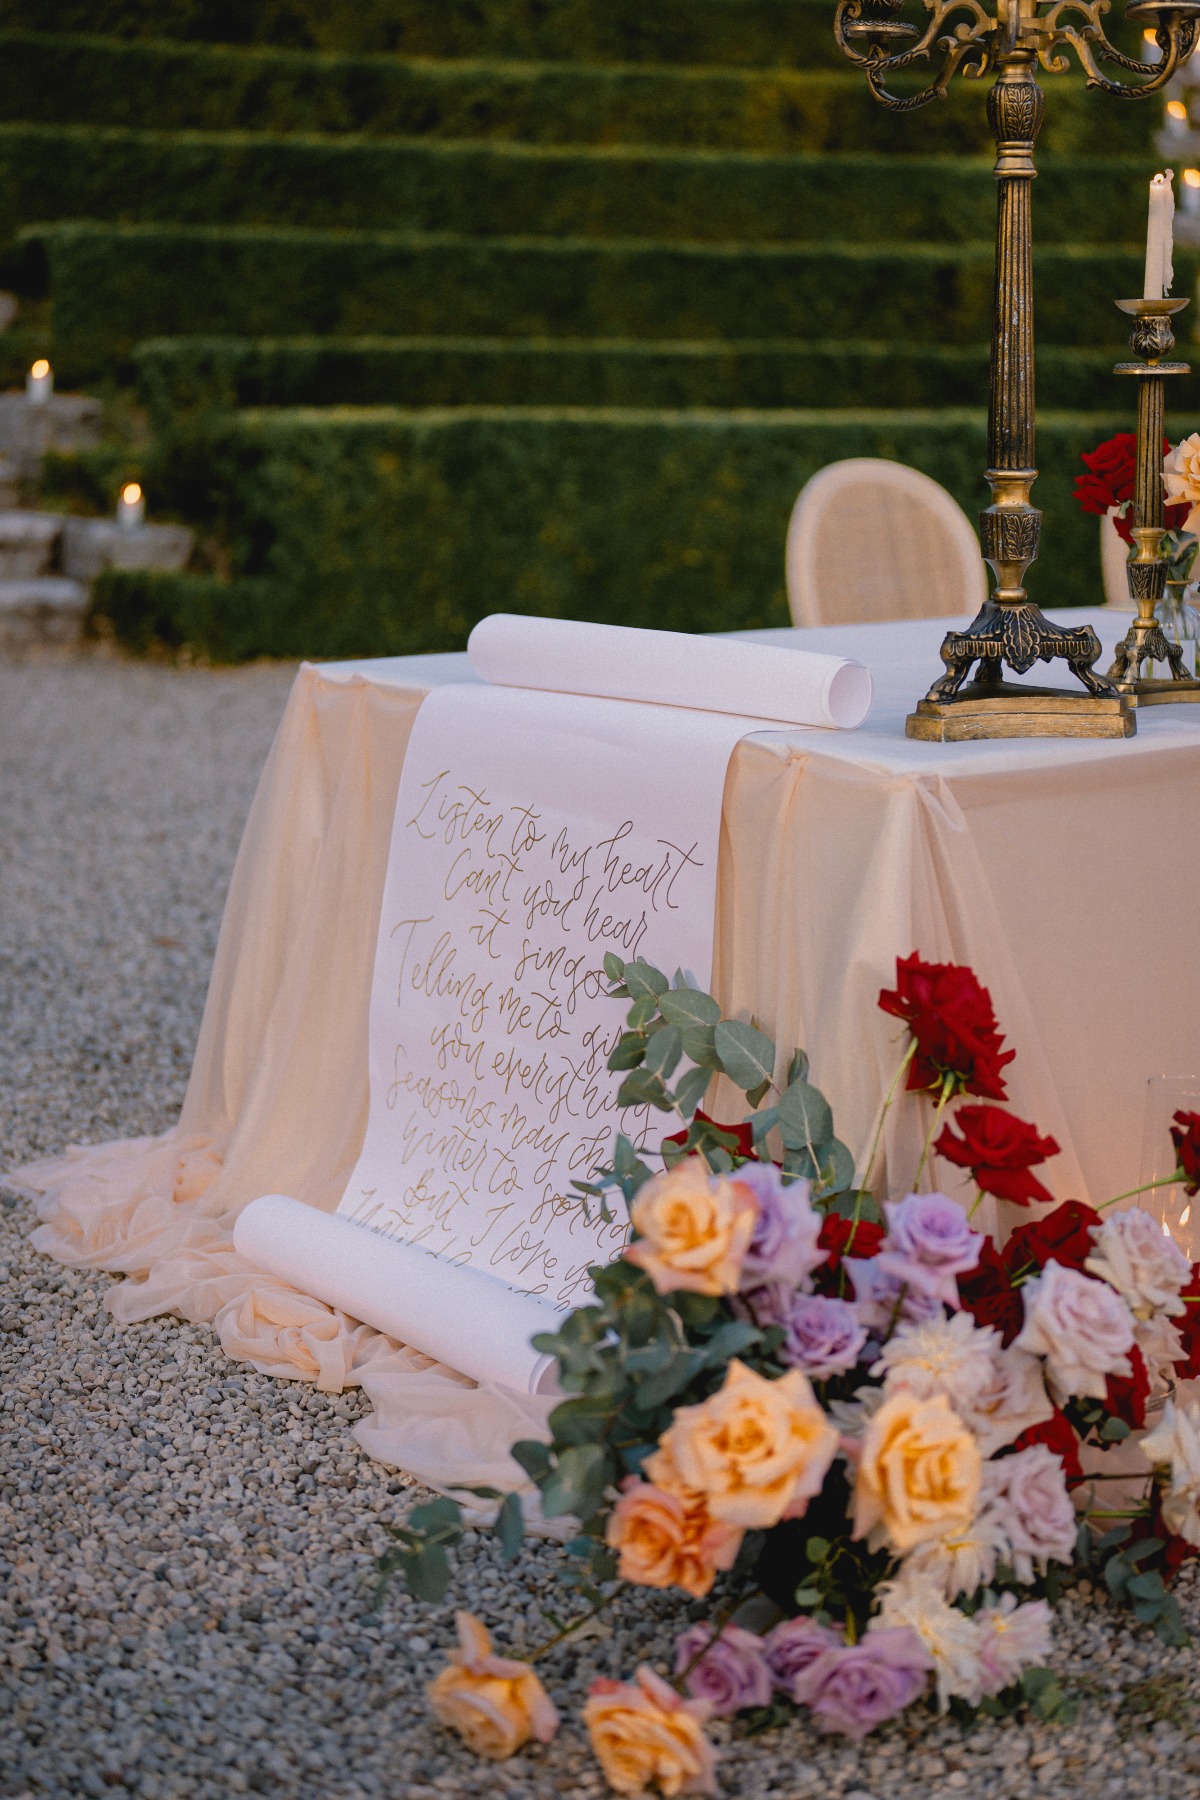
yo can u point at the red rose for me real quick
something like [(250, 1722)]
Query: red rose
[(849, 1237), (1185, 1135), (1111, 481), (1059, 1436), (949, 1013), (1063, 1236), (1127, 1395), (988, 1294), (743, 1133), (1188, 1367), (999, 1150)]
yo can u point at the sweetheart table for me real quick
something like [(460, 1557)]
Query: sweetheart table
[(1064, 872)]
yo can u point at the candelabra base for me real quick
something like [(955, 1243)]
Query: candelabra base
[(1146, 641), (1006, 710)]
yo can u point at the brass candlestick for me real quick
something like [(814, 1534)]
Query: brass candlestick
[(1151, 339), (1011, 631)]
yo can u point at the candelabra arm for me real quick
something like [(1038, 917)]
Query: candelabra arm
[(1175, 33)]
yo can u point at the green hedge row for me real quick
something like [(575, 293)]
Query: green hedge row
[(65, 172), (181, 375), (114, 285), (765, 32), (101, 81), (382, 531)]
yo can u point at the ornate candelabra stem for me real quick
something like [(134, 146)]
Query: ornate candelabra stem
[(1146, 641), (1010, 526)]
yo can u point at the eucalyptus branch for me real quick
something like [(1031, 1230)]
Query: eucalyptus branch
[(575, 1625), (884, 1109), (1163, 1181)]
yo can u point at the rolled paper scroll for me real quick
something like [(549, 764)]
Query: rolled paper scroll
[(671, 668), (462, 1317)]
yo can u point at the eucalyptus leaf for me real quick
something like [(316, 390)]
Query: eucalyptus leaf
[(747, 1054), (801, 1163), (578, 1482), (629, 1052), (643, 979), (641, 1012), (837, 1167), (663, 1051), (797, 1068), (688, 1006), (678, 1374), (764, 1122), (642, 1088), (700, 1046), (427, 1573), (533, 1456), (691, 1089), (510, 1527), (614, 968), (805, 1121), (756, 1094)]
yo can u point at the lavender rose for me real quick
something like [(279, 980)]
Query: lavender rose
[(731, 1674), (882, 1298), (783, 1248), (792, 1648), (821, 1336), (1028, 1494), (1082, 1328), (929, 1243), (856, 1688)]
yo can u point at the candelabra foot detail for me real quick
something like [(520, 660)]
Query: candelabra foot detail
[(1146, 641), (1007, 710), (1018, 636)]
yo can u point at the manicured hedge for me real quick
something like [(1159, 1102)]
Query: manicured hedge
[(689, 31), (113, 285), (164, 86), (241, 178), (178, 375), (383, 531)]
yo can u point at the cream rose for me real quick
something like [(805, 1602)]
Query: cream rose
[(669, 1539), (1082, 1328), (694, 1229), (494, 1704), (1181, 477), (643, 1732), (757, 1450), (1175, 1443), (918, 1476), (1142, 1262)]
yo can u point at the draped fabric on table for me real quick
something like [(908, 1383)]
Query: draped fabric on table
[(1042, 866)]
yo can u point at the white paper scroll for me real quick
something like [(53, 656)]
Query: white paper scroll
[(671, 668), (533, 833), (462, 1317)]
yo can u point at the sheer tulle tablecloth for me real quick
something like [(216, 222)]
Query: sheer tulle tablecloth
[(1064, 872)]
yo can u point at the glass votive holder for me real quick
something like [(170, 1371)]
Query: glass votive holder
[(1176, 1211)]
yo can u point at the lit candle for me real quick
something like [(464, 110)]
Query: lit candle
[(131, 507), (1159, 271), (39, 383)]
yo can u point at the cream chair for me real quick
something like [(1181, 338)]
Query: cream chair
[(870, 539)]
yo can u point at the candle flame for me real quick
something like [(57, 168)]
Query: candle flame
[(1191, 178), (131, 493), (40, 369), (1176, 109)]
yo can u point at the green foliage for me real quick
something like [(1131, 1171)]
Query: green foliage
[(1132, 1570), (59, 77), (50, 172), (419, 1553), (686, 31), (356, 533), (116, 284)]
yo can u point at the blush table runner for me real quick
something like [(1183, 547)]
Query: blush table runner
[(1064, 872)]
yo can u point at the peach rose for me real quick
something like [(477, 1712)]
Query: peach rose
[(694, 1229), (669, 1539), (757, 1450), (642, 1731), (1181, 477), (919, 1474), (494, 1704)]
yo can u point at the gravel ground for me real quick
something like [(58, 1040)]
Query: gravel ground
[(186, 1599)]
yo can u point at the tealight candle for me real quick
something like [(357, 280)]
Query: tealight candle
[(131, 507), (1159, 270), (39, 383)]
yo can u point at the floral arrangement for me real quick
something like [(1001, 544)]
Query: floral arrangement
[(1108, 487), (876, 1432)]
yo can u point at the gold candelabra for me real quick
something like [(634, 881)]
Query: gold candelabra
[(962, 37), (1151, 339)]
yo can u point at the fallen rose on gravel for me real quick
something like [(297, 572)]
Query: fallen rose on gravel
[(726, 1668), (644, 1734), (495, 1704)]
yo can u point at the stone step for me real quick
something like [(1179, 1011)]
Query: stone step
[(47, 610), (28, 542), (92, 545)]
